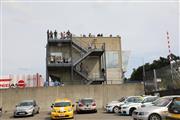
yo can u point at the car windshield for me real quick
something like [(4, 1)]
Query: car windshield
[(87, 101), (62, 104), (26, 104), (177, 103), (162, 102), (149, 99), (134, 99), (122, 99)]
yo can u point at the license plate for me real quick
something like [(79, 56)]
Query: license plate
[(21, 113), (61, 115)]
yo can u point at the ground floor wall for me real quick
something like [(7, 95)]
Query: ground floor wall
[(46, 95)]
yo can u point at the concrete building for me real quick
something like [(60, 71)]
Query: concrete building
[(84, 60)]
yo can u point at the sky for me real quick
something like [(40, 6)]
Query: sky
[(142, 26)]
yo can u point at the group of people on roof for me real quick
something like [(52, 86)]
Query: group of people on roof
[(62, 35)]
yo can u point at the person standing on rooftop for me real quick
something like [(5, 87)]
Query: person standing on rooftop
[(55, 34), (51, 34)]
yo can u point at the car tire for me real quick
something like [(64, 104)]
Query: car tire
[(131, 111), (154, 117), (95, 111), (78, 112), (38, 112), (116, 109)]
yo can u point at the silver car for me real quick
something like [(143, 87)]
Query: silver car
[(26, 108), (86, 105), (157, 111)]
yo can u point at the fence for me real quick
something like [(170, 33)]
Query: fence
[(166, 78)]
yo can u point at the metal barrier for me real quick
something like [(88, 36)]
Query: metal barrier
[(165, 78)]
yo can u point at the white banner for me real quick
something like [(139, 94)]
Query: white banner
[(4, 83)]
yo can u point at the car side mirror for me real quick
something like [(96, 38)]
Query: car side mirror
[(73, 105), (52, 105)]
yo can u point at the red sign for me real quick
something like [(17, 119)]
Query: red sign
[(4, 83), (21, 84)]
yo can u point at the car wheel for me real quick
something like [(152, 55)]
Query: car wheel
[(38, 112), (154, 117), (131, 111), (95, 111), (78, 112), (116, 109)]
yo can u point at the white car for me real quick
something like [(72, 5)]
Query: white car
[(115, 106), (128, 108), (26, 108)]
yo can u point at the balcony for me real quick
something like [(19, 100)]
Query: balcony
[(59, 40), (58, 61), (59, 65)]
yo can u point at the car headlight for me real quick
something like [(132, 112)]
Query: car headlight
[(53, 110), (29, 110)]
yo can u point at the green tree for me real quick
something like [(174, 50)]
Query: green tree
[(137, 74)]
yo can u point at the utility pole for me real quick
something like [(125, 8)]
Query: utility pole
[(170, 57), (144, 77)]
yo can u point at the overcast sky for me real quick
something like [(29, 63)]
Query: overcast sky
[(141, 25)]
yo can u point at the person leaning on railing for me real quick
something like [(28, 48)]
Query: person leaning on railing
[(55, 34)]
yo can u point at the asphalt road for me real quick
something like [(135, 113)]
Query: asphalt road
[(100, 115)]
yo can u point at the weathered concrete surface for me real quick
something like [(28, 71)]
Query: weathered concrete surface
[(46, 95)]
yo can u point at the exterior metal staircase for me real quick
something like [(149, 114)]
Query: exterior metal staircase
[(86, 52), (83, 57)]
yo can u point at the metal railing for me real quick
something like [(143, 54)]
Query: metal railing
[(89, 45)]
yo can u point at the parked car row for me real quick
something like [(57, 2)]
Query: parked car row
[(126, 105), (61, 108), (64, 108), (147, 107), (140, 107)]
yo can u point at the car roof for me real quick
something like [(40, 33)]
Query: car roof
[(171, 96), (134, 96), (149, 97), (27, 100), (86, 99), (63, 100)]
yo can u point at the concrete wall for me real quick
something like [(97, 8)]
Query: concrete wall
[(45, 96)]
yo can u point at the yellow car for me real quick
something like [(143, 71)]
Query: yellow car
[(174, 109), (62, 108)]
